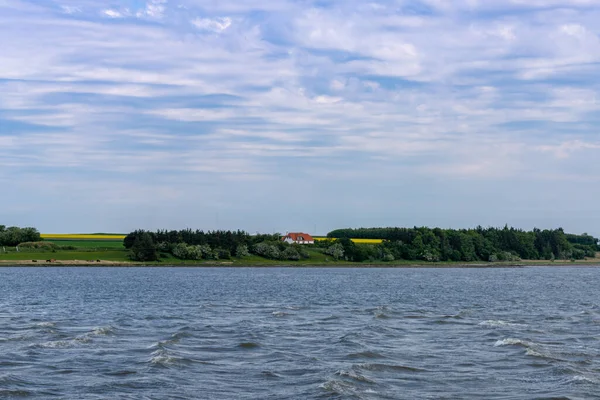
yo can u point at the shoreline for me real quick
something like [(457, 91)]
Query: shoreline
[(232, 264)]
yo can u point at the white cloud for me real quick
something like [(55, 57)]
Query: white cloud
[(216, 25), (154, 9), (112, 13)]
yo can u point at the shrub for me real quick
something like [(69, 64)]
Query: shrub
[(301, 251), (242, 251), (38, 245), (223, 254), (267, 250), (290, 254), (336, 251), (192, 252)]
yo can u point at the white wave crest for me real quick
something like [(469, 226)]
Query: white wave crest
[(493, 323), (103, 330), (355, 376), (45, 324), (511, 342), (339, 387), (533, 353), (163, 358), (55, 344), (583, 379), (279, 314)]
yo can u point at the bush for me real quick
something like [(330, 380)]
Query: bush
[(242, 251), (267, 250), (223, 254), (388, 257), (336, 251), (504, 256), (38, 245), (192, 252), (290, 254), (301, 249)]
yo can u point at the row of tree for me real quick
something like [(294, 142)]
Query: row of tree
[(212, 245), (13, 236), (479, 244)]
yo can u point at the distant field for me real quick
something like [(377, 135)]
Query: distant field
[(69, 236)]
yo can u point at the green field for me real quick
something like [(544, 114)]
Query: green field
[(84, 250), (115, 255), (90, 244)]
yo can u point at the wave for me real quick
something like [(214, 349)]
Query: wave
[(103, 330), (389, 368), (531, 349), (330, 318), (249, 345), (354, 376), (121, 373), (279, 314), (16, 338), (54, 344), (366, 354), (460, 315), (270, 374), (583, 379), (45, 324), (340, 387), (81, 339), (14, 380), (164, 358), (174, 339), (512, 342), (10, 393), (534, 353), (499, 323)]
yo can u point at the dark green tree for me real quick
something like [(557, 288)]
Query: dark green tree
[(143, 248)]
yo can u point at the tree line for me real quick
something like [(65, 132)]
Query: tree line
[(479, 244), (190, 244), (13, 235)]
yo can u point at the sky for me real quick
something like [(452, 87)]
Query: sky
[(299, 115)]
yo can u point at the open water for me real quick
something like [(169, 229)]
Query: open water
[(251, 333)]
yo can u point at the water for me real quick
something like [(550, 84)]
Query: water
[(159, 333)]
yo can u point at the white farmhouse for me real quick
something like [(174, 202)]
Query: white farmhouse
[(299, 238)]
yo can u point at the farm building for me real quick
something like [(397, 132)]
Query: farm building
[(298, 237)]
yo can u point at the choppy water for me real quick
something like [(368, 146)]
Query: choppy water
[(159, 333)]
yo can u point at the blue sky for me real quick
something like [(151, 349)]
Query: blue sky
[(277, 116)]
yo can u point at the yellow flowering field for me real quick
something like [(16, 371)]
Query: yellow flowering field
[(68, 236), (367, 241)]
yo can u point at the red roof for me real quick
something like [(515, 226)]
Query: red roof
[(299, 237)]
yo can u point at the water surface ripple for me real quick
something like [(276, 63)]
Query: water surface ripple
[(249, 333)]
